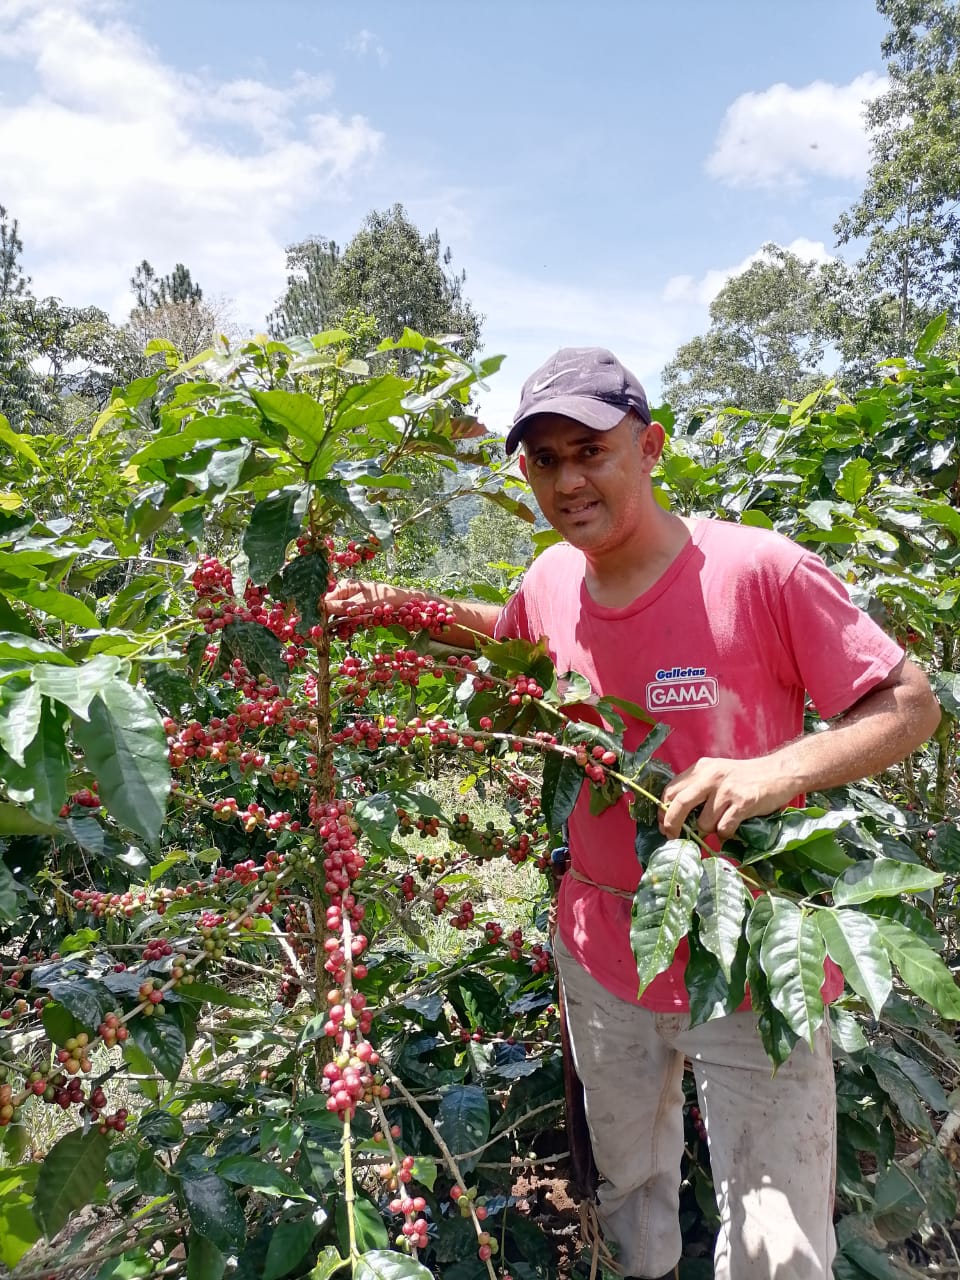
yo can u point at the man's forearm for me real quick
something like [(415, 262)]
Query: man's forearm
[(472, 617), (879, 731)]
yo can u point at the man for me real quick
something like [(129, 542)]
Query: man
[(721, 631)]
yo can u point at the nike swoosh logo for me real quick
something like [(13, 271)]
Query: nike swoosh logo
[(546, 382)]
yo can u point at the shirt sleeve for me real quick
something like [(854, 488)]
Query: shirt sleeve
[(839, 653)]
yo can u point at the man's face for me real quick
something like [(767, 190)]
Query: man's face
[(591, 485)]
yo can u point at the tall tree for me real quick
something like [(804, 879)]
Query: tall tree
[(909, 212), (389, 270), (143, 284), (308, 304), (764, 344), (172, 307), (151, 290), (13, 282), (404, 279)]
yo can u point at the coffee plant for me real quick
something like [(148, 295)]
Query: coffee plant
[(261, 1011)]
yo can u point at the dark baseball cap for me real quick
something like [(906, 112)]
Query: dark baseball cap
[(588, 384)]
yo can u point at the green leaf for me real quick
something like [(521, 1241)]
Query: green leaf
[(160, 1129), (18, 1228), (853, 943), (274, 523), (931, 335), (162, 1041), (257, 648), (370, 1231), (788, 831), (41, 783), (296, 413), (377, 817), (855, 480), (16, 821), (463, 1120), (58, 604), (907, 914), (897, 1204), (210, 993), (306, 581), (87, 1000), (711, 994), (883, 878), (328, 1263), (381, 1264), (76, 687), (9, 906), (214, 1211), (921, 969), (791, 955), (562, 780), (125, 747), (261, 1175), (82, 940), (26, 649), (944, 848), (69, 1177), (20, 708), (18, 443), (663, 907), (371, 401), (204, 1259), (288, 1244), (938, 1178), (900, 1090), (775, 1032), (721, 907)]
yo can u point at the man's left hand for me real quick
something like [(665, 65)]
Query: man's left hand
[(728, 792)]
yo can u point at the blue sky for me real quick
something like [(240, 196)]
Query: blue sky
[(598, 169)]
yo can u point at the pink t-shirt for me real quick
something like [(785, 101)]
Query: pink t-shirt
[(724, 647)]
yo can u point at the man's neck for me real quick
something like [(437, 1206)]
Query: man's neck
[(617, 578)]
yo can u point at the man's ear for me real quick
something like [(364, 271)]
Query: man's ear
[(523, 466), (651, 445)]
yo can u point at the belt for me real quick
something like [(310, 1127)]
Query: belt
[(607, 888)]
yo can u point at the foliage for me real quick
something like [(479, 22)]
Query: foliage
[(389, 270), (308, 305), (230, 829), (907, 212), (173, 289), (13, 282), (52, 356), (765, 341), (870, 482)]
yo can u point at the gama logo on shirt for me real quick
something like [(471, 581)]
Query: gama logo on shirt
[(682, 689)]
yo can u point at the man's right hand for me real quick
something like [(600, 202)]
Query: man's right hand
[(474, 619), (346, 595)]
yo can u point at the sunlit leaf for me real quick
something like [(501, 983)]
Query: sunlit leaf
[(663, 907), (854, 944), (792, 955), (125, 747)]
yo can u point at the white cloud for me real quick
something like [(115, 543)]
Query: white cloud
[(115, 156), (702, 291), (366, 44), (783, 135)]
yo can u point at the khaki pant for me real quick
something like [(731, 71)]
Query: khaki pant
[(772, 1138)]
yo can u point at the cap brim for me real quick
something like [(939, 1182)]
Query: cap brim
[(592, 413)]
